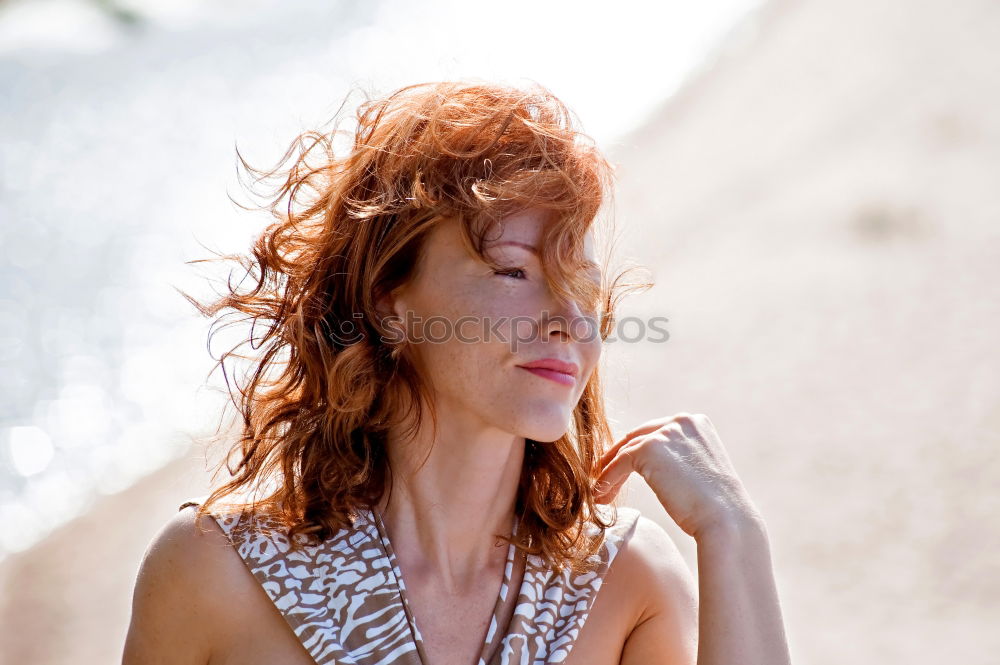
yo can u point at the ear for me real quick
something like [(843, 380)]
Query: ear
[(390, 305), (385, 304)]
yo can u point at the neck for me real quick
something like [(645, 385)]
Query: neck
[(442, 517)]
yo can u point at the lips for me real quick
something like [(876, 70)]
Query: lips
[(560, 371)]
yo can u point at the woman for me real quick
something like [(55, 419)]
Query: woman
[(426, 407)]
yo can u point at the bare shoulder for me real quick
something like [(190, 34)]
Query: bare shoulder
[(646, 611), (651, 566), (183, 600)]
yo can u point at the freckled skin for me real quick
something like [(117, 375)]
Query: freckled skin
[(483, 378)]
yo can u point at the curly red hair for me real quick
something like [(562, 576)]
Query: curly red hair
[(316, 407)]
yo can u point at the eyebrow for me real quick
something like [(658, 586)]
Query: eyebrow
[(530, 248), (533, 249), (593, 267)]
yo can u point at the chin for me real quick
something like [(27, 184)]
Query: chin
[(544, 436), (544, 423)]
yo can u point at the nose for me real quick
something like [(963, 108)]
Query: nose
[(568, 321)]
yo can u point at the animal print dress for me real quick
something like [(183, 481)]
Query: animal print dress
[(346, 601)]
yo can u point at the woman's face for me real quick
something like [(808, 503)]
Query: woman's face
[(472, 329)]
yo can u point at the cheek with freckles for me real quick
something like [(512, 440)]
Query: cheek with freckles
[(479, 375), (481, 327)]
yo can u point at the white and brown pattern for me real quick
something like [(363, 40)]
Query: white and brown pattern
[(346, 601)]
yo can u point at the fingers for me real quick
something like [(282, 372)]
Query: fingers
[(651, 426), (617, 463), (645, 428), (607, 494), (614, 475)]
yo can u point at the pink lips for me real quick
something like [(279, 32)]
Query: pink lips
[(554, 369)]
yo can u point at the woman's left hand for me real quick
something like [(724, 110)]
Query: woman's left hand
[(684, 462)]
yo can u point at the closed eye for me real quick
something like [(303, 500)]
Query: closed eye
[(512, 273)]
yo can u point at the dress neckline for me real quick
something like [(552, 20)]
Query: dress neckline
[(494, 632)]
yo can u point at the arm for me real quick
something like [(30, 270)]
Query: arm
[(686, 465), (740, 616), (732, 617), (173, 611)]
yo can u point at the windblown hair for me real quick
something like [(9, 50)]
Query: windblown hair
[(328, 382)]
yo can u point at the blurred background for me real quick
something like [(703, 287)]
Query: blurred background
[(814, 185)]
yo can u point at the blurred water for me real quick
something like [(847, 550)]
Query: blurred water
[(117, 126)]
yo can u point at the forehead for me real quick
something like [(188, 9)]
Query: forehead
[(525, 226)]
